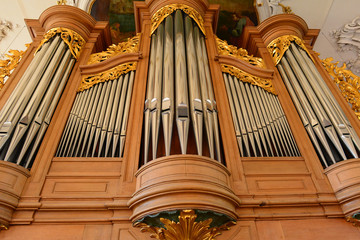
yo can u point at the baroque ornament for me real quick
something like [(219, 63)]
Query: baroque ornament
[(130, 46), (279, 45), (74, 40), (229, 50), (347, 81), (9, 64), (265, 84), (186, 229), (163, 12), (111, 74)]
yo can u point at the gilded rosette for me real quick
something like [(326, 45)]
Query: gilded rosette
[(186, 228), (265, 84), (130, 46), (74, 40), (229, 50), (163, 12), (347, 81), (278, 46), (111, 74)]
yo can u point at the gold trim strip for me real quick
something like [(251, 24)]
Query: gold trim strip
[(111, 74), (9, 64), (265, 84), (278, 46), (130, 46), (229, 50), (165, 11), (74, 40), (347, 81)]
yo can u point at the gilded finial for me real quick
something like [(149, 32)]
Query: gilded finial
[(61, 2)]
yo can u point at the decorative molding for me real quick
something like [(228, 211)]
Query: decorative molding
[(185, 228), (111, 74), (229, 50), (165, 11), (9, 64), (265, 84), (347, 81), (278, 46), (74, 40), (347, 40), (130, 46)]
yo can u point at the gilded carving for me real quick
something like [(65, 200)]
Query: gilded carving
[(229, 50), (9, 64), (163, 12), (61, 2), (74, 40), (265, 84), (347, 81), (278, 46), (111, 74), (286, 9), (130, 46), (186, 228)]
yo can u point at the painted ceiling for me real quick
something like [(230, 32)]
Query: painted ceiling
[(233, 16)]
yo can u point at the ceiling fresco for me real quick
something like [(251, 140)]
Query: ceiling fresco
[(233, 16)]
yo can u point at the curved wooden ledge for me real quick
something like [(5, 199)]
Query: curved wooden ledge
[(12, 181), (344, 177), (246, 67), (183, 182), (109, 63), (282, 24)]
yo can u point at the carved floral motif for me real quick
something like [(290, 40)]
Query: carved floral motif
[(278, 46), (265, 84), (229, 50), (163, 12), (74, 40), (186, 228), (130, 46), (347, 81)]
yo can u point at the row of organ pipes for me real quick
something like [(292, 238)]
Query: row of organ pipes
[(29, 109), (328, 127), (98, 120), (179, 89), (260, 124)]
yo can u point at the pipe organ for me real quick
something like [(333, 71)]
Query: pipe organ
[(174, 132)]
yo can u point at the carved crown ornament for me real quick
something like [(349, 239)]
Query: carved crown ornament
[(265, 84), (74, 40), (278, 46), (347, 81), (167, 10), (186, 225), (9, 64), (229, 50), (129, 46)]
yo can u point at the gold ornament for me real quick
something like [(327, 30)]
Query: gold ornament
[(3, 227), (354, 221), (347, 81), (9, 64), (185, 229), (130, 46), (286, 9), (61, 2), (278, 47), (163, 12), (265, 84), (74, 40), (111, 74), (229, 50)]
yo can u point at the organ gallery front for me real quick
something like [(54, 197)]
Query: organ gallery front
[(174, 133)]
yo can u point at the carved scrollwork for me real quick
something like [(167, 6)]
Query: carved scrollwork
[(229, 50), (111, 74), (130, 46), (347, 81), (74, 40), (278, 46), (265, 84), (186, 228), (163, 12)]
